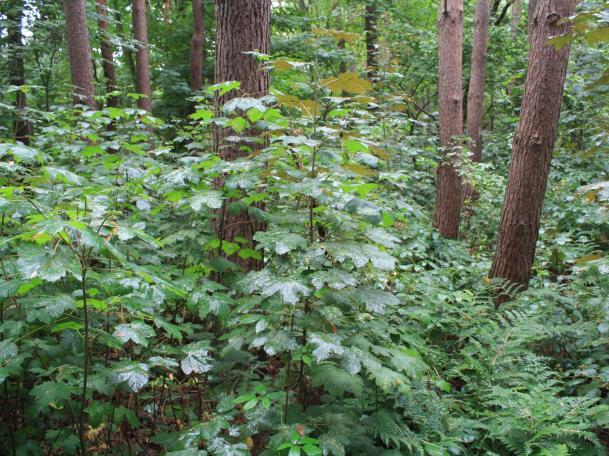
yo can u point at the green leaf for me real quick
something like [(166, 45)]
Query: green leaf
[(135, 375), (136, 331), (326, 345), (8, 349), (50, 392), (211, 199), (375, 300), (44, 263), (197, 359), (268, 284)]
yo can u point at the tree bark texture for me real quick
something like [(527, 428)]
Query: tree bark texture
[(531, 23), (241, 26), (197, 49), (142, 56), (449, 192), (106, 53), (533, 145), (370, 19), (22, 128), (79, 51), (475, 95)]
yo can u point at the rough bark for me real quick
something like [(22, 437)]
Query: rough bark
[(370, 19), (106, 52), (197, 49), (532, 8), (142, 58), (533, 145), (22, 128), (79, 51), (475, 96), (449, 186), (241, 26)]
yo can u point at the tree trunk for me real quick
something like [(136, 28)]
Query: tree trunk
[(22, 128), (197, 49), (370, 20), (106, 52), (533, 145), (449, 186), (142, 64), (127, 53), (516, 13), (475, 96), (166, 11), (531, 23), (79, 51), (241, 26)]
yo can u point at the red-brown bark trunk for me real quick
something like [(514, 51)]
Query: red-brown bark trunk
[(197, 50), (475, 96), (533, 145), (106, 53), (142, 57), (449, 191), (79, 51), (241, 26)]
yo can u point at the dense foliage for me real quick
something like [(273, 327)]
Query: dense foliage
[(127, 327)]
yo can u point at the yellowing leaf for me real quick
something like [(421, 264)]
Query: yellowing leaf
[(380, 153), (347, 82), (282, 65), (600, 35), (587, 259), (359, 169), (336, 34)]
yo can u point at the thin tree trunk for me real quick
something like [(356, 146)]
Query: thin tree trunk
[(533, 145), (166, 11), (22, 128), (142, 63), (449, 185), (531, 23), (79, 51), (241, 26), (516, 13), (475, 96), (197, 46), (106, 52), (127, 52), (370, 20)]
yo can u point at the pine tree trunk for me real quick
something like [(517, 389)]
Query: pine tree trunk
[(106, 53), (370, 26), (142, 64), (197, 50), (241, 26), (22, 128), (533, 145), (79, 51), (449, 190), (475, 96)]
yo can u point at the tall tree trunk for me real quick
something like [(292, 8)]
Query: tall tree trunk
[(241, 26), (127, 52), (142, 63), (516, 13), (197, 46), (449, 186), (370, 26), (22, 128), (475, 96), (166, 11), (106, 52), (532, 8), (533, 145), (79, 51)]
